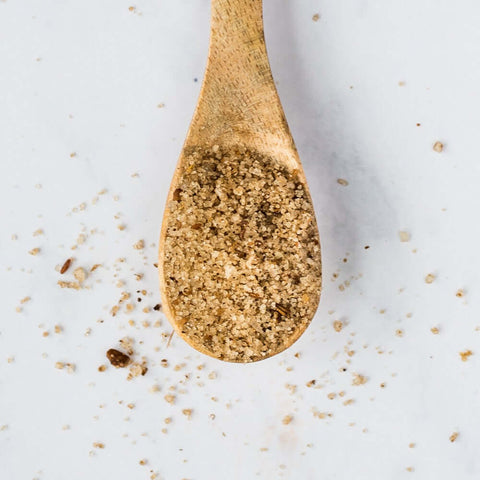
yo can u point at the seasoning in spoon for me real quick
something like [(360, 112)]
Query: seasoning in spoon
[(242, 266)]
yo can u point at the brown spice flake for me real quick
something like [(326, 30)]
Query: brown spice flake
[(102, 368), (170, 398), (25, 300), (404, 236), (66, 265), (98, 445), (117, 358), (337, 325), (460, 293), (465, 354), (342, 181), (435, 330), (453, 436), (34, 251), (438, 147), (316, 17), (429, 278)]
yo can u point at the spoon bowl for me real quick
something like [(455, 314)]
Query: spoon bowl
[(239, 258)]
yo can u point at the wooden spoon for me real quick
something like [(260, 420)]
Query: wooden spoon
[(239, 117)]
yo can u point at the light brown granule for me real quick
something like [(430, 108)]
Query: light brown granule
[(411, 445), (73, 285), (342, 181), (460, 293), (331, 395), (337, 325), (139, 245), (65, 266), (438, 147), (287, 419), (429, 278), (117, 358), (399, 332), (25, 300), (80, 274), (154, 388), (59, 365), (170, 398), (349, 401), (34, 251), (465, 354), (242, 264), (404, 236), (359, 379), (102, 368), (187, 412), (127, 344), (316, 17), (410, 469), (38, 232), (435, 330), (98, 445), (453, 436), (137, 370), (58, 329)]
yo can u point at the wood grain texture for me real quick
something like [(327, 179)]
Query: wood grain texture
[(238, 106)]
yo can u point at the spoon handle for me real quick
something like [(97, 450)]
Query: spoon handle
[(239, 102)]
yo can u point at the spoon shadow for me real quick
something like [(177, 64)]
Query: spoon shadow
[(326, 138)]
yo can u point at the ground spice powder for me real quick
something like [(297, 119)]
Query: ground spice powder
[(242, 259)]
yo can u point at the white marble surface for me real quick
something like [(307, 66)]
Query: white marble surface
[(86, 78)]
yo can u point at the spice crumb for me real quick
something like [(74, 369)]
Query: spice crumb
[(34, 251), (140, 245), (460, 293), (404, 236), (187, 412), (287, 419), (465, 354), (359, 379), (80, 274), (169, 398), (435, 330), (453, 436), (438, 147), (337, 325), (429, 278), (316, 17), (342, 181)]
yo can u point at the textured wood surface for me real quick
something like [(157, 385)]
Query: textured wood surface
[(238, 105)]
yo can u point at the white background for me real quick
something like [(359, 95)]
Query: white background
[(86, 77)]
